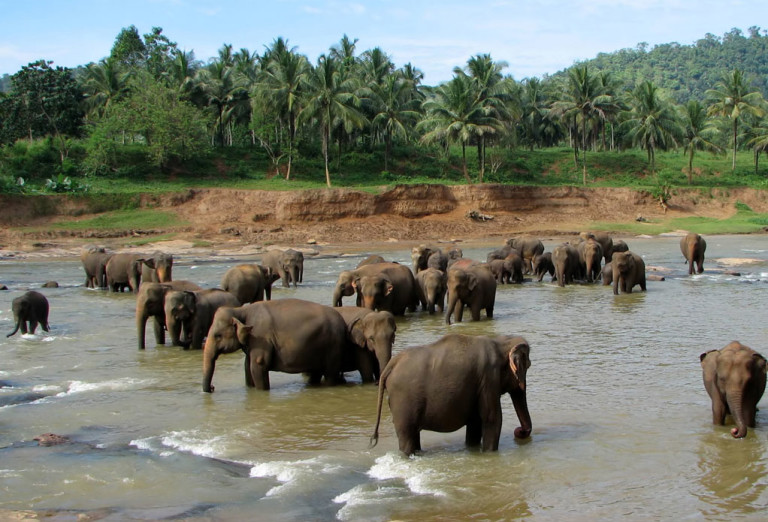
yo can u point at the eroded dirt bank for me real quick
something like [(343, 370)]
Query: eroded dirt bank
[(411, 213)]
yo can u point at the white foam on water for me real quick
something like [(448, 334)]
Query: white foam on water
[(126, 383), (292, 473), (362, 497), (196, 443), (420, 478)]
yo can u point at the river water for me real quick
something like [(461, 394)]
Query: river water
[(621, 421)]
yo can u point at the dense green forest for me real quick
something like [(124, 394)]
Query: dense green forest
[(150, 110)]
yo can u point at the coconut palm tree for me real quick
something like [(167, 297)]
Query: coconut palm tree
[(731, 98), (283, 80), (225, 93), (104, 84), (395, 110), (455, 115), (697, 130), (651, 123), (331, 102)]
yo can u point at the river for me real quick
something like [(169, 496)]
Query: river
[(621, 421)]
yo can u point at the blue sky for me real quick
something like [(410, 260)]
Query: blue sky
[(533, 37)]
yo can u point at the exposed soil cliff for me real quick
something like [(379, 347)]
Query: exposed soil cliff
[(405, 213)]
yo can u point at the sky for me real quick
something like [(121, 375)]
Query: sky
[(534, 37)]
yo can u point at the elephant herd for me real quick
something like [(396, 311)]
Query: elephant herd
[(323, 342)]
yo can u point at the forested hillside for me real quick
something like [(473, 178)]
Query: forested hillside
[(688, 71)]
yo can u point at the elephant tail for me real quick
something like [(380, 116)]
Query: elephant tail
[(382, 386), (18, 323)]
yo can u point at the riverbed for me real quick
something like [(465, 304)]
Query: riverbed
[(622, 425)]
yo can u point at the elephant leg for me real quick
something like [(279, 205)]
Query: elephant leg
[(474, 433), (365, 363), (315, 378), (159, 326), (475, 311), (409, 439), (459, 311), (719, 409), (492, 429), (248, 371), (32, 326), (259, 375)]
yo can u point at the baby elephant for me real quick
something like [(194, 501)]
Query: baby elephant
[(30, 308), (454, 382), (735, 380)]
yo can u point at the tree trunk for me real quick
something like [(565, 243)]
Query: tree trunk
[(735, 129), (690, 167), (291, 133), (464, 163)]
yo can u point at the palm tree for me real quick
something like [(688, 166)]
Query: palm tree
[(583, 104), (455, 114), (225, 93), (394, 108), (651, 122), (331, 102), (732, 97), (284, 77), (344, 53), (181, 71), (376, 66), (103, 85), (533, 107), (697, 129)]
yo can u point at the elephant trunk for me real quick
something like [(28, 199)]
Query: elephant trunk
[(209, 364), (295, 276), (521, 408), (453, 301), (736, 406), (141, 329), (337, 295)]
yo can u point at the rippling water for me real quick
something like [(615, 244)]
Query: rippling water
[(621, 421)]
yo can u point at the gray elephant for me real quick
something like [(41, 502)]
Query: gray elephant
[(387, 286), (432, 288), (188, 315), (29, 310), (439, 260), (157, 268), (619, 245), (607, 275), (734, 378), (248, 282), (287, 264), (500, 253), (474, 287), (606, 243), (528, 247), (372, 335), (628, 270), (94, 260), (542, 264), (285, 335), (123, 271), (150, 302), (455, 382), (590, 258), (507, 270), (420, 255), (371, 260), (453, 252), (693, 247), (565, 259)]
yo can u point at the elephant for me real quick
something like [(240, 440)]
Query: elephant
[(30, 309), (590, 258), (192, 313), (606, 243), (94, 260), (372, 335), (500, 253), (734, 378), (432, 289), (150, 302), (371, 260), (462, 262), (420, 255), (565, 258), (628, 270), (693, 247), (453, 252), (50, 284), (287, 264), (439, 260), (475, 287), (387, 286), (508, 270), (285, 335), (528, 247), (125, 271), (248, 282), (619, 246), (607, 275), (158, 268), (542, 264), (454, 382)]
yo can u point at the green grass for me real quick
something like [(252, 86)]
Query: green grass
[(123, 220), (745, 221)]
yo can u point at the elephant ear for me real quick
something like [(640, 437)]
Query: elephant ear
[(242, 331), (704, 355), (388, 287), (149, 262), (190, 300), (519, 362), (471, 282), (759, 361), (356, 333)]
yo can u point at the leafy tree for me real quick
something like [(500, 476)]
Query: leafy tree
[(395, 110), (697, 132), (104, 84), (331, 102), (43, 101), (129, 49), (732, 97), (159, 52), (224, 92), (651, 122), (154, 115)]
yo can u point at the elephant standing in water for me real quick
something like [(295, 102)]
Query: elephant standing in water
[(528, 247), (288, 265), (29, 310), (454, 382), (432, 289), (372, 334), (734, 377), (94, 260), (285, 335), (693, 247), (150, 302), (380, 286), (188, 315), (248, 282), (565, 259), (474, 287), (628, 270), (157, 268)]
